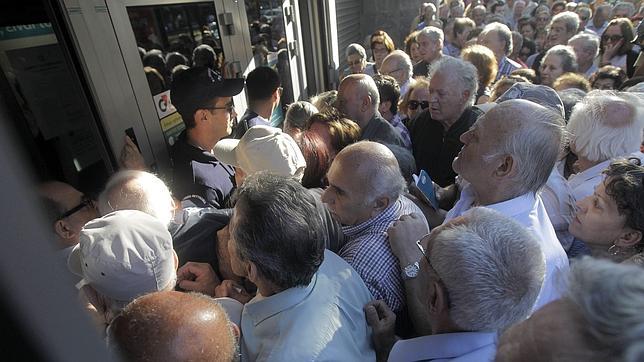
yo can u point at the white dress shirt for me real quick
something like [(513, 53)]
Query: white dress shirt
[(528, 211), (583, 184), (462, 347), (560, 205), (321, 321)]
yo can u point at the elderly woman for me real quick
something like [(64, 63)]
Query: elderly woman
[(297, 115), (416, 100), (486, 67), (381, 45), (558, 60), (611, 221), (605, 125), (615, 47), (357, 60)]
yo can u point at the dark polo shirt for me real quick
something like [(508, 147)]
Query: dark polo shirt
[(435, 148), (379, 130), (248, 120), (199, 176), (421, 69)]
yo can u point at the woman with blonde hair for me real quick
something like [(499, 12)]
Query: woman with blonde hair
[(486, 67), (381, 45)]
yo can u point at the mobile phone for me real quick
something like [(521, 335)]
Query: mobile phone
[(426, 186), (130, 133)]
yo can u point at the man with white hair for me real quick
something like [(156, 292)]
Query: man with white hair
[(478, 15), (458, 313), (562, 27), (599, 319), (122, 255), (398, 65), (365, 195), (435, 132), (605, 125), (586, 47), (498, 38), (359, 99), (430, 46)]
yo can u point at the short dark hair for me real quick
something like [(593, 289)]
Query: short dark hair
[(460, 24), (279, 228), (261, 83), (625, 185), (388, 90), (204, 56)]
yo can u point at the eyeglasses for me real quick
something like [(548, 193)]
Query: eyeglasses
[(429, 265), (392, 72), (86, 201), (413, 105), (612, 38), (230, 108)]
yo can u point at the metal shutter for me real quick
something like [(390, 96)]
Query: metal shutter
[(348, 14)]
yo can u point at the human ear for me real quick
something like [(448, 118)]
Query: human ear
[(380, 204), (506, 167), (63, 230), (629, 238)]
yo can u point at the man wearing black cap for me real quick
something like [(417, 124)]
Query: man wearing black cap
[(204, 100)]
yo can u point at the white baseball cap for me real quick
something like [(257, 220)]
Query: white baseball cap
[(124, 254), (263, 148)]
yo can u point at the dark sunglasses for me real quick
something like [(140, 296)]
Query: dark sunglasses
[(413, 105), (85, 202)]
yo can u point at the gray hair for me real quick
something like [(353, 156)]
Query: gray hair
[(298, 114), (366, 86), (534, 136), (432, 33), (503, 32), (610, 298), (462, 72), (137, 190), (570, 20), (567, 56), (355, 48), (492, 268), (590, 42), (378, 167), (598, 133), (624, 5), (277, 226), (403, 60)]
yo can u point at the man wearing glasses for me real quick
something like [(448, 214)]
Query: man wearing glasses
[(204, 100)]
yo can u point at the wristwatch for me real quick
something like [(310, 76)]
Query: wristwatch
[(410, 271)]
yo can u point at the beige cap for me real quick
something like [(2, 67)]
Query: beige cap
[(263, 148)]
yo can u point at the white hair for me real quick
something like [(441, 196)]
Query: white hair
[(402, 60), (492, 268), (355, 48), (463, 73), (432, 33), (567, 56), (502, 31), (610, 297), (570, 20), (598, 134), (590, 42), (534, 137), (137, 190), (298, 114)]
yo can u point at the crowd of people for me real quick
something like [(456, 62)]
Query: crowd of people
[(476, 195)]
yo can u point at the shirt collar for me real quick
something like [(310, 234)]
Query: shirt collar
[(590, 173), (439, 346), (352, 231), (515, 206)]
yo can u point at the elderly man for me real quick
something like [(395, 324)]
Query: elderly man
[(68, 210), (430, 46), (174, 326), (264, 93), (359, 99), (600, 19), (478, 15), (458, 313), (308, 302), (586, 48), (435, 132), (498, 163), (562, 27), (498, 38), (460, 31), (365, 195), (121, 256), (204, 100), (599, 319), (585, 14), (398, 65)]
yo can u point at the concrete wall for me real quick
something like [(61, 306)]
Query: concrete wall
[(392, 16)]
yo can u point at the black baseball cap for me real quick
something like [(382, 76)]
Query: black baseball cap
[(195, 88)]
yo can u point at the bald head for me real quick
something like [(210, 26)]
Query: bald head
[(358, 98), (174, 326), (398, 65)]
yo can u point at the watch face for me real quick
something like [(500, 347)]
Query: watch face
[(411, 270)]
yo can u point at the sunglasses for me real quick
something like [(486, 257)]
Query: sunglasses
[(86, 201), (413, 105), (612, 38)]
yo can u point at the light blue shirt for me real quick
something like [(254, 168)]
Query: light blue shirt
[(462, 347), (323, 321)]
